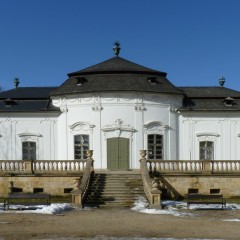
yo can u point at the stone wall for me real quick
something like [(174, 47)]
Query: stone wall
[(54, 185), (227, 185)]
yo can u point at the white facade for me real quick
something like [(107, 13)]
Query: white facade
[(124, 115), (35, 127), (222, 128)]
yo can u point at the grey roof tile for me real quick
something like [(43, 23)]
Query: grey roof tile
[(117, 74)]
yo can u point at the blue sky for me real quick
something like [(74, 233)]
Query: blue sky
[(194, 41)]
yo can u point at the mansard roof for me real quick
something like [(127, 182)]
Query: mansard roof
[(118, 65), (27, 99), (209, 92), (116, 74), (210, 99), (27, 93)]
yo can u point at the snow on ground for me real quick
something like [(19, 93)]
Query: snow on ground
[(177, 208), (54, 208)]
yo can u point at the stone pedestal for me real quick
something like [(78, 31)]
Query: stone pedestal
[(207, 167), (156, 199), (77, 199), (28, 166)]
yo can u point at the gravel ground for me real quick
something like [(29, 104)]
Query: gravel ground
[(111, 224)]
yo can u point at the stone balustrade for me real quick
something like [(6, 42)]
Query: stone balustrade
[(43, 166), (193, 167), (11, 166)]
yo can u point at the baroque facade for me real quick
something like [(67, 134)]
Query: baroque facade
[(117, 108)]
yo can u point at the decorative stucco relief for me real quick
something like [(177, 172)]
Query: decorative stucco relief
[(118, 125), (139, 107), (97, 107), (118, 129), (155, 126), (81, 126), (27, 136), (207, 136)]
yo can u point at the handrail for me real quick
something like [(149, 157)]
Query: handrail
[(151, 188), (86, 178), (79, 194), (145, 178)]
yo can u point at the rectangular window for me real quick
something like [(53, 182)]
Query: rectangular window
[(155, 146), (206, 150), (81, 144), (29, 151)]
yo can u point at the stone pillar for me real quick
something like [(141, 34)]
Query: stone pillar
[(28, 166), (77, 198), (207, 167), (156, 195)]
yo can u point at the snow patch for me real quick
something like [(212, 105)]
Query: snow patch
[(231, 220), (54, 208), (177, 208), (172, 208)]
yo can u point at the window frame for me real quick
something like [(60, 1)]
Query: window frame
[(206, 148), (82, 154), (28, 149), (155, 146)]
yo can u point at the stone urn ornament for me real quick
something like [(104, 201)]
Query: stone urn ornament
[(155, 184), (143, 153), (89, 153), (76, 183)]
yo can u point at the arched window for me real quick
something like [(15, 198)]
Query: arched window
[(155, 146), (81, 144), (29, 150), (206, 150)]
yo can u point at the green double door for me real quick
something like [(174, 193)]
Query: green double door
[(118, 153)]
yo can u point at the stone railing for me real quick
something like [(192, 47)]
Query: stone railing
[(81, 185), (151, 187), (42, 166), (230, 167), (59, 166), (193, 167), (11, 166)]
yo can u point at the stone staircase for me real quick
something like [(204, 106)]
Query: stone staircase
[(113, 189)]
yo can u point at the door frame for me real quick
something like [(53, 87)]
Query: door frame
[(128, 154)]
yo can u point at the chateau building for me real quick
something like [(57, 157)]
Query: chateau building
[(117, 108)]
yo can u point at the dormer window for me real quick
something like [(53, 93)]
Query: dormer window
[(228, 101), (152, 80), (8, 102), (81, 81)]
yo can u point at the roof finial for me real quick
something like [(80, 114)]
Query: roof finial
[(221, 81), (116, 48), (16, 82)]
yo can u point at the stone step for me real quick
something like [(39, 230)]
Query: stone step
[(114, 189)]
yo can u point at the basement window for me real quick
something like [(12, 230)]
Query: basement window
[(38, 190), (68, 190), (17, 190), (214, 191), (192, 190)]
